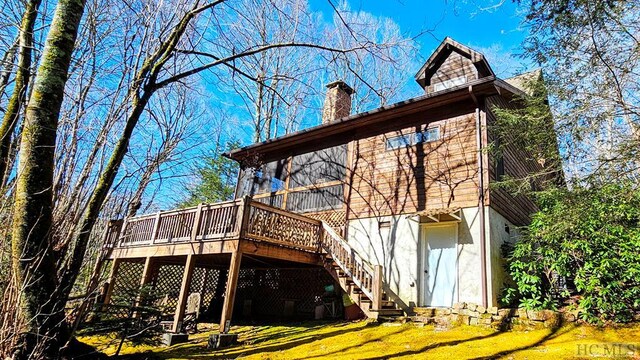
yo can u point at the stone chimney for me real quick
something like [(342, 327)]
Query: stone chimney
[(337, 104)]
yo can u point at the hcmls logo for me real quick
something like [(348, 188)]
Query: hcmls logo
[(608, 350)]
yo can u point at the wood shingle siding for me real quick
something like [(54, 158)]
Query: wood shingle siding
[(517, 164), (454, 67), (437, 174)]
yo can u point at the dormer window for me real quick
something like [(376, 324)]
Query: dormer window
[(449, 83), (451, 65)]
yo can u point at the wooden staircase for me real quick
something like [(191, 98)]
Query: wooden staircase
[(357, 278)]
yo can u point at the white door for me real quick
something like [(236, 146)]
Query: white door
[(440, 273)]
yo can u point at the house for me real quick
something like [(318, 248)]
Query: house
[(408, 185), (396, 203)]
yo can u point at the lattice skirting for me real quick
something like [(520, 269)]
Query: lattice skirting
[(267, 290)]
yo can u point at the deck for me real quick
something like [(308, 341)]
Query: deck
[(233, 229), (243, 224)]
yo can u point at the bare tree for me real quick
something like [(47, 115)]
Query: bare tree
[(152, 47)]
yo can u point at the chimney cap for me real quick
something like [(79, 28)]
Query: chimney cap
[(342, 85)]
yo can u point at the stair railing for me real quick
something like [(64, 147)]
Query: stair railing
[(364, 275)]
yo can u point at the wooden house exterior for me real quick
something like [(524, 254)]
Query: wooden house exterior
[(388, 178), (396, 203)]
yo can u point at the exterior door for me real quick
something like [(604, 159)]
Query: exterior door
[(440, 271)]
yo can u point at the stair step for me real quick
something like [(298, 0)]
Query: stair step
[(388, 303), (389, 312)]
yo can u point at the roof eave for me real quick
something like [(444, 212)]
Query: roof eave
[(356, 120)]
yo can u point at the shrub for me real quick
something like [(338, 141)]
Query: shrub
[(588, 237)]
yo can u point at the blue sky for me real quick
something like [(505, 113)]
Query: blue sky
[(496, 31)]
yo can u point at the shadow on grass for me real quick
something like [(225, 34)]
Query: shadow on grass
[(257, 344), (502, 328)]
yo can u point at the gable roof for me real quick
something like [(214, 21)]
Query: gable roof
[(443, 51), (521, 81)]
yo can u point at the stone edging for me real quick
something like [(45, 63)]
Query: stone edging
[(507, 318)]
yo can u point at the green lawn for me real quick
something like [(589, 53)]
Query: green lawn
[(362, 340)]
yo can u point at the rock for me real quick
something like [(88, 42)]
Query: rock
[(493, 310), (481, 309), (522, 313), (568, 317), (442, 311), (423, 319), (472, 306), (540, 315), (462, 320), (507, 312), (473, 321), (425, 311), (459, 306)]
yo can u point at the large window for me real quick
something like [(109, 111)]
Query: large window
[(315, 181), (319, 167), (324, 198), (406, 140), (268, 178)]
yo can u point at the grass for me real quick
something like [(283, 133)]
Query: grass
[(362, 340)]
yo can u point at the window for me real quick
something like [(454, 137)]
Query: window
[(269, 177), (398, 142), (449, 83), (428, 135), (319, 167), (325, 198)]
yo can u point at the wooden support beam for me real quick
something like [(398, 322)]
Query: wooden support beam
[(147, 271), (376, 302), (147, 274), (184, 293), (230, 293), (112, 280)]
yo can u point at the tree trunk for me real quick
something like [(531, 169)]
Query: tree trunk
[(33, 263), (10, 118)]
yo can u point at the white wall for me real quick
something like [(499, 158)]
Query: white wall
[(498, 234), (395, 248), (398, 249)]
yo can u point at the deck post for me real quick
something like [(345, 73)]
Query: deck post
[(376, 302), (147, 273), (184, 293), (243, 215), (156, 227), (230, 293), (112, 279), (196, 222)]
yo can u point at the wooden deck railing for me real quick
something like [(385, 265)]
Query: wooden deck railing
[(202, 222), (366, 276), (249, 219), (286, 228), (242, 218)]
